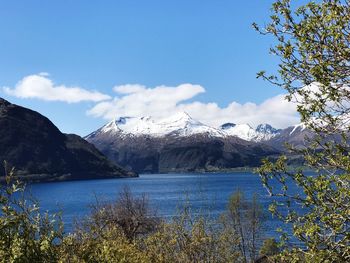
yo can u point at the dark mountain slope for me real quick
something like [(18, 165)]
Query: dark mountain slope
[(294, 135), (39, 151), (146, 154), (209, 154)]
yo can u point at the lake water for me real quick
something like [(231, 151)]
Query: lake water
[(208, 193)]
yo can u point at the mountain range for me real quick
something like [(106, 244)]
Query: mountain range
[(180, 143), (38, 151), (128, 145)]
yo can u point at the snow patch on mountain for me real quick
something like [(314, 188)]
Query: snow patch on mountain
[(243, 131), (263, 132), (299, 127), (266, 128)]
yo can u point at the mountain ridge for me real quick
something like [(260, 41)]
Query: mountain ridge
[(38, 151), (182, 124)]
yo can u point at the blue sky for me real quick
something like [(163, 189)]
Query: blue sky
[(97, 45)]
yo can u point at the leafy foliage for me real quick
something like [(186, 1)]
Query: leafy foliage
[(269, 247), (312, 42), (101, 245), (188, 240), (245, 218), (26, 235)]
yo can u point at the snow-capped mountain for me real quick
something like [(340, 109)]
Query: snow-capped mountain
[(263, 132), (181, 143), (181, 124), (176, 143), (266, 128)]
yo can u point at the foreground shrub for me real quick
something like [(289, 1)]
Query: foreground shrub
[(108, 245), (185, 239), (245, 218), (269, 247), (26, 235), (133, 215)]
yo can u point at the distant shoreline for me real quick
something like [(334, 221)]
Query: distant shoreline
[(231, 170), (44, 178)]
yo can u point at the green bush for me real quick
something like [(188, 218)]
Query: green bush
[(26, 235), (269, 247)]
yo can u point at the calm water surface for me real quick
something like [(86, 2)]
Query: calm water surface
[(208, 193)]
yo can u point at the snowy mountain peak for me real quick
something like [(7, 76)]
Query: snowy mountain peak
[(179, 119), (111, 126), (182, 124), (244, 131), (181, 115), (266, 128), (179, 124)]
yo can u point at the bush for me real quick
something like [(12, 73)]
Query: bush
[(269, 247), (186, 239), (106, 245), (132, 215), (26, 235), (245, 218)]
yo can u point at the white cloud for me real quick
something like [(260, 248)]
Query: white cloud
[(129, 88), (39, 86), (162, 101), (136, 100), (159, 102)]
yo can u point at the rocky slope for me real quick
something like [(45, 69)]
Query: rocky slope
[(40, 152), (294, 135)]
